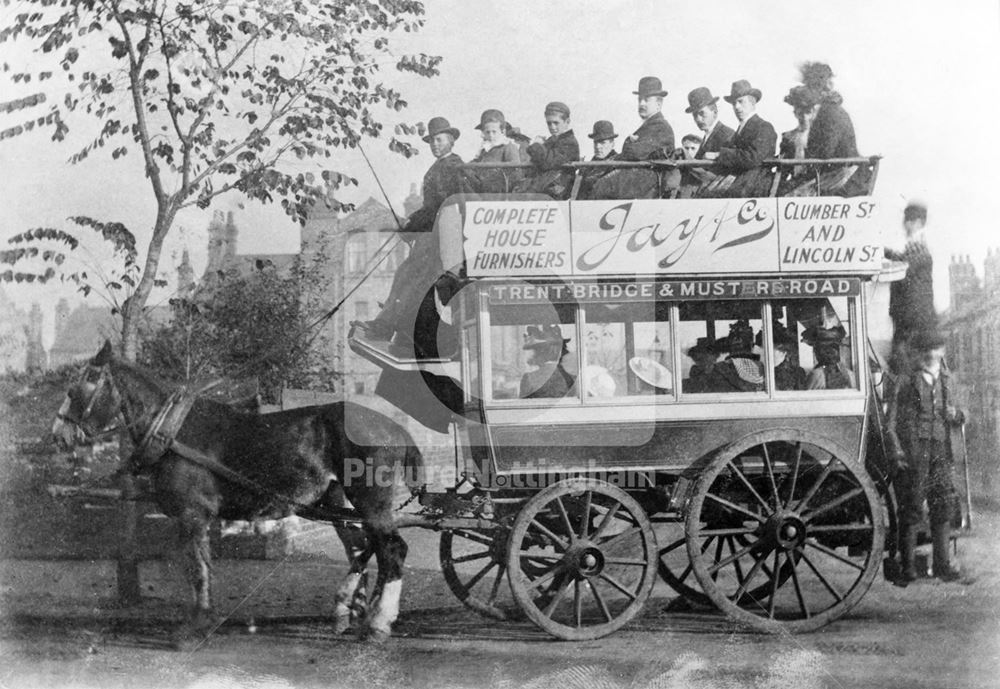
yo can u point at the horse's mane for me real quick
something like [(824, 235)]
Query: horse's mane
[(144, 377)]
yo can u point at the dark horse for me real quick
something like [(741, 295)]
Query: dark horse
[(234, 464)]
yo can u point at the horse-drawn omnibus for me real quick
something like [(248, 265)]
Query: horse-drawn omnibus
[(746, 480)]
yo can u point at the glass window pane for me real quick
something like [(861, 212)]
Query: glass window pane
[(628, 350), (533, 352), (718, 340), (813, 341)]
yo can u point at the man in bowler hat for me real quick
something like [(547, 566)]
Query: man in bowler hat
[(411, 293), (703, 108), (603, 137), (653, 140), (739, 162), (551, 154), (919, 421)]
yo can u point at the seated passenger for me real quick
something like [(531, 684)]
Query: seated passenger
[(496, 148), (549, 155), (788, 375), (742, 370), (831, 135), (604, 149), (705, 356), (830, 373), (690, 143), (739, 162), (546, 348), (703, 108), (411, 293), (654, 139), (805, 105)]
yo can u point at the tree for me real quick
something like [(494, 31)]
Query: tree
[(222, 96), (240, 326)]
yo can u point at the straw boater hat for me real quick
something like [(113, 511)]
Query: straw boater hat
[(603, 130), (650, 86), (439, 125), (699, 98), (741, 88)]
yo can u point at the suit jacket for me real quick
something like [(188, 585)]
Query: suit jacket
[(556, 151), (720, 136), (496, 181), (654, 139), (440, 182), (743, 156), (590, 175)]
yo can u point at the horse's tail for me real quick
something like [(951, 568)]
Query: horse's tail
[(413, 468)]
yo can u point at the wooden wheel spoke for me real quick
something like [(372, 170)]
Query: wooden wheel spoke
[(672, 547), (557, 540), (744, 583), (795, 473), (815, 486), (625, 561), (610, 543), (564, 515), (819, 575), (544, 579), (835, 555), (617, 584), (732, 558), (835, 528), (585, 521), (470, 558), (746, 482), (577, 603), (734, 507), (741, 531), (606, 521), (479, 575), (798, 587), (736, 563), (770, 477), (495, 590), (775, 582), (600, 602), (850, 495), (557, 597), (531, 555)]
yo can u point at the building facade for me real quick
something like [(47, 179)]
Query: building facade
[(972, 325)]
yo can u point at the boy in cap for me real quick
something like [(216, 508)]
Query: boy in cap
[(551, 154), (603, 137), (739, 162), (411, 293), (496, 148), (919, 420)]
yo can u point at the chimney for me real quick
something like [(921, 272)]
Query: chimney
[(962, 282)]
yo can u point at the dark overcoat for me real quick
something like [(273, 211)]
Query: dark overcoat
[(654, 139), (440, 182), (748, 148)]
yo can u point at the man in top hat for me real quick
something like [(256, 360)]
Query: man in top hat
[(409, 308), (603, 137), (703, 108), (920, 416), (754, 141), (546, 348), (653, 140), (830, 373), (551, 154)]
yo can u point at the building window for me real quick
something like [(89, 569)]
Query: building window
[(356, 253), (394, 258)]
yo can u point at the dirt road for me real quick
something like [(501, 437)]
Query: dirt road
[(61, 630)]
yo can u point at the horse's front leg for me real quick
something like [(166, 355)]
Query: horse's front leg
[(351, 600), (196, 563), (390, 549)]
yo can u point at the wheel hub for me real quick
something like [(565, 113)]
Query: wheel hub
[(786, 530), (588, 561)]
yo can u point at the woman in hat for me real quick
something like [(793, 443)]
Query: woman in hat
[(741, 371), (788, 375), (496, 148), (546, 348), (830, 372), (705, 356)]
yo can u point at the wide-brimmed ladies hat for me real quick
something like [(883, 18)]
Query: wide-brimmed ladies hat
[(439, 125), (815, 336), (741, 88), (650, 86), (491, 116), (803, 98), (781, 336), (703, 345), (543, 336), (603, 130), (699, 98)]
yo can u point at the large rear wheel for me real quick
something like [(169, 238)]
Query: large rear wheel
[(798, 528)]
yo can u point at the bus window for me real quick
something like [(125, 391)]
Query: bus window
[(533, 355), (813, 344), (627, 350), (717, 339)]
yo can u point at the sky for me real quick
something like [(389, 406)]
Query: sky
[(919, 79)]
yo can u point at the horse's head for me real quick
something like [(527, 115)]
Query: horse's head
[(92, 404)]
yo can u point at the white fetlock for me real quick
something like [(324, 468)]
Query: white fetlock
[(343, 612), (379, 626)]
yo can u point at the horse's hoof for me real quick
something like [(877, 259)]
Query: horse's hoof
[(341, 624)]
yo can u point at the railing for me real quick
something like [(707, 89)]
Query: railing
[(778, 167)]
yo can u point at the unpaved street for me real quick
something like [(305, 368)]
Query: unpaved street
[(62, 630)]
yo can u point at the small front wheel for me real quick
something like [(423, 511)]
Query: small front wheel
[(581, 559)]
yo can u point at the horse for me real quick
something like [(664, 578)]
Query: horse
[(228, 463)]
